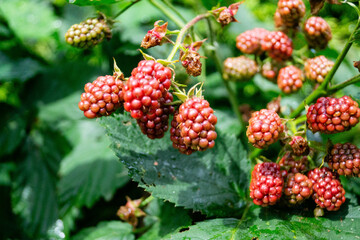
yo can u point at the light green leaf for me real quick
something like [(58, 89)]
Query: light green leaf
[(112, 230), (95, 2), (214, 182)]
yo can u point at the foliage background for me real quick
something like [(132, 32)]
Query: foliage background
[(60, 180)]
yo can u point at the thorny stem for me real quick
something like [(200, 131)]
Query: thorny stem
[(182, 33), (323, 88), (342, 85), (126, 8)]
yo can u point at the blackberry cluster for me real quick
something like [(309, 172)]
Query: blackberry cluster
[(154, 124), (249, 42), (177, 139), (266, 184), (102, 97), (291, 12), (317, 68), (344, 159), (277, 45), (317, 32), (148, 83), (333, 115), (239, 68), (196, 121), (298, 187), (294, 164), (328, 191), (265, 128), (88, 33), (299, 145), (290, 79)]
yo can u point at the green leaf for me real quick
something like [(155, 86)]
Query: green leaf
[(112, 230), (214, 182), (164, 218), (34, 195), (271, 223), (95, 2)]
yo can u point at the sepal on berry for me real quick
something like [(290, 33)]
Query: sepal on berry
[(225, 15)]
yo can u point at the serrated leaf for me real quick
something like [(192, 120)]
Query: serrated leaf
[(34, 195), (271, 223), (164, 218), (95, 2), (112, 230), (214, 182)]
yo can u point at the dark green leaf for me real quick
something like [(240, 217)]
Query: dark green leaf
[(34, 196), (271, 223), (214, 182), (112, 230), (164, 218)]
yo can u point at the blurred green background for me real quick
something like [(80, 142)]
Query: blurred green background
[(57, 173)]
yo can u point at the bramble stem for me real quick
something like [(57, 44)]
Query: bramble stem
[(126, 8), (342, 85), (165, 10)]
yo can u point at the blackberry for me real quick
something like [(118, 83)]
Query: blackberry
[(145, 88), (155, 123), (274, 105), (317, 68), (249, 42), (294, 164), (291, 12), (197, 124), (177, 139), (102, 97), (239, 68), (344, 159), (317, 32), (297, 188), (270, 70), (266, 184), (88, 33), (277, 45), (290, 79), (333, 115), (299, 145), (155, 36), (265, 128)]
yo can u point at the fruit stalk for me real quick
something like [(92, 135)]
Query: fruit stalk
[(342, 85)]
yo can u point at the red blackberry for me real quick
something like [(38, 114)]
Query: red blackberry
[(291, 12), (328, 191), (333, 115), (299, 145), (265, 128), (266, 184), (249, 42), (297, 188), (177, 140), (155, 123), (270, 70), (344, 159), (317, 68), (88, 33), (290, 79), (317, 32), (101, 97), (145, 87), (239, 68), (294, 164), (277, 45), (197, 124)]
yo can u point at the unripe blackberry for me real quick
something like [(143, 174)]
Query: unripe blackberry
[(294, 164), (297, 188), (317, 68), (274, 105), (344, 159), (177, 139), (102, 97), (270, 70), (265, 128), (239, 68), (290, 79), (155, 123), (197, 124), (277, 45), (279, 24), (291, 12), (333, 115), (317, 32), (328, 191), (88, 33), (299, 145), (266, 184), (145, 88), (249, 42)]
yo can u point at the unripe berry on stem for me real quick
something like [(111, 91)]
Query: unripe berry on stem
[(290, 79)]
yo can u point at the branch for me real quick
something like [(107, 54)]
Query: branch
[(342, 85)]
